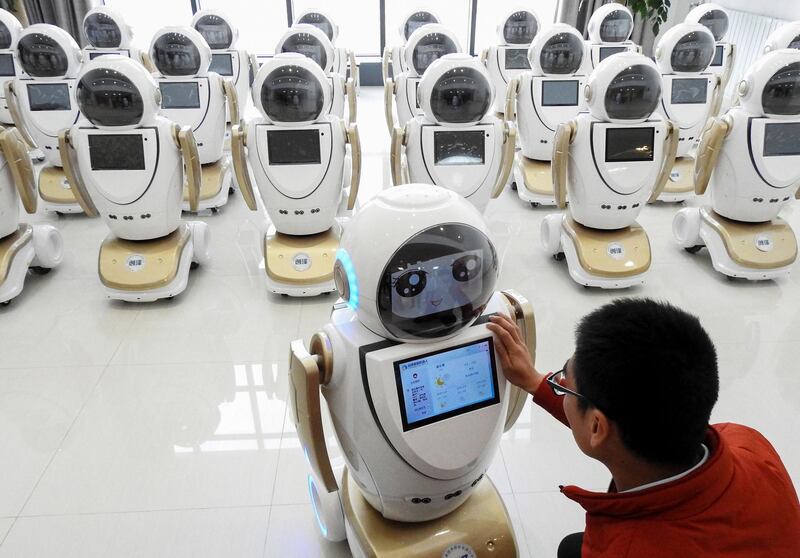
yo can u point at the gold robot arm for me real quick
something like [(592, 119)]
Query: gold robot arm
[(16, 115), (72, 172), (352, 101), (565, 134), (307, 372), (511, 99), (724, 79), (715, 96), (16, 153), (354, 74), (708, 152), (388, 93), (484, 56), (387, 55), (507, 162), (521, 310), (231, 98), (184, 138), (354, 139), (253, 65), (670, 151), (238, 143), (396, 156), (147, 62)]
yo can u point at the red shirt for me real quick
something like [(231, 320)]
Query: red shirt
[(739, 503)]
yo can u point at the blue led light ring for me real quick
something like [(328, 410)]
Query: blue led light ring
[(343, 259)]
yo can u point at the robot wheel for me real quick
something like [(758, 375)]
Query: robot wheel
[(693, 249), (39, 270), (559, 257)]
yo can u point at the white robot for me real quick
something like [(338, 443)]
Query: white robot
[(193, 96), (127, 165), (312, 42), (22, 246), (297, 151), (426, 45), (689, 94), (458, 142), (785, 36), (509, 59), (543, 98), (228, 61), (10, 28), (609, 29), (42, 104), (344, 60), (715, 18), (395, 55), (107, 33), (413, 385), (749, 159), (611, 161)]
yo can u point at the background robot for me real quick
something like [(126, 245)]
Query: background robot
[(310, 41), (344, 61), (298, 154), (10, 28), (544, 98), (715, 18), (426, 45), (458, 143), (128, 166), (395, 55), (609, 29), (22, 246), (42, 104), (416, 273), (107, 33), (751, 157), (509, 59), (193, 96), (612, 161), (785, 36), (689, 94)]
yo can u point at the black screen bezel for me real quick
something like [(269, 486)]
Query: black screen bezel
[(774, 126), (603, 49), (9, 56), (274, 138), (39, 108), (610, 131), (228, 66), (444, 133), (98, 53), (577, 92), (702, 101), (162, 84), (104, 141)]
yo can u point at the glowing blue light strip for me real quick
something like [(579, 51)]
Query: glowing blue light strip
[(352, 279), (322, 528)]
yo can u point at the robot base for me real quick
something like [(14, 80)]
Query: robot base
[(215, 186), (534, 181), (752, 251), (147, 270), (38, 246), (615, 259), (301, 265), (55, 191), (680, 186)]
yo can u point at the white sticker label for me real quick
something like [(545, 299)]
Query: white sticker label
[(135, 262), (616, 251), (301, 261), (675, 176), (764, 242), (459, 550), (65, 183)]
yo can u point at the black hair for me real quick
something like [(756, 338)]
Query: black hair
[(652, 369)]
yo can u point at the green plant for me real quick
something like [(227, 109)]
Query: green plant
[(656, 10)]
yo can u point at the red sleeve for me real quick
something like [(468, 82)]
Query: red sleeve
[(550, 402)]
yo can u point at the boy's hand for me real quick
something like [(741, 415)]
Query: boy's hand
[(514, 355)]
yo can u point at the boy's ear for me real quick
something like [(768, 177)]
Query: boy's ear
[(600, 428)]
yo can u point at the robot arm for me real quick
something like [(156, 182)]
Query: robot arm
[(708, 152), (511, 100), (238, 143), (16, 114), (387, 54), (564, 136), (388, 93), (232, 99), (396, 155), (484, 56), (147, 62), (184, 139), (354, 139), (354, 73), (522, 311), (19, 161), (725, 78), (71, 170), (507, 163), (716, 98), (670, 151), (350, 91)]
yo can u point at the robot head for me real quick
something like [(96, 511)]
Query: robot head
[(180, 52), (416, 263), (785, 36), (518, 28), (771, 86), (624, 88), (456, 90), (426, 45), (117, 93), (292, 90), (46, 51), (687, 48), (216, 28), (10, 28), (322, 22), (711, 16), (309, 41), (105, 28), (415, 20), (557, 51), (610, 23)]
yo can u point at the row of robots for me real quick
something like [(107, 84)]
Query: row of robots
[(138, 138), (598, 130)]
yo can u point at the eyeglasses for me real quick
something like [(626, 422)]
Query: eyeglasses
[(556, 383)]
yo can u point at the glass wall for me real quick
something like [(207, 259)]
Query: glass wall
[(148, 16), (358, 21)]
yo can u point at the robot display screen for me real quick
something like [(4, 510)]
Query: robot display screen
[(517, 59), (461, 95), (781, 139), (634, 93), (520, 28), (41, 56), (605, 52), (5, 36), (781, 94), (96, 54), (116, 152), (293, 147), (48, 96), (717, 60), (444, 384), (616, 27), (215, 31), (102, 31), (459, 148), (319, 21), (717, 22), (561, 54), (560, 93), (430, 49), (629, 144), (7, 65), (221, 64), (179, 95), (109, 98), (307, 45), (689, 91), (416, 21), (693, 52), (174, 54)]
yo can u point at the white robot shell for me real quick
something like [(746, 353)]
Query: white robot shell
[(687, 48), (45, 52), (771, 86), (785, 36), (321, 21), (456, 90), (302, 79), (309, 41), (610, 23), (379, 254), (10, 29), (712, 16), (106, 28), (519, 27), (216, 28), (426, 45), (624, 88), (180, 51), (416, 19), (557, 50)]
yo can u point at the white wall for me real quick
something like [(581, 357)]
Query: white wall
[(781, 9)]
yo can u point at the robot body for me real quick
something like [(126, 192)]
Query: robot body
[(108, 34), (715, 19), (609, 29), (396, 54), (10, 28), (344, 62)]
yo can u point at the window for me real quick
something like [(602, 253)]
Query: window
[(148, 16), (454, 14), (358, 21), (261, 23)]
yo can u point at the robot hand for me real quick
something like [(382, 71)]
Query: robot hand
[(708, 152), (238, 142), (396, 156), (564, 136), (19, 161), (73, 176), (671, 142)]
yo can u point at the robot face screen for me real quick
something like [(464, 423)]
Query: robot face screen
[(108, 98), (717, 22), (616, 27), (417, 20), (307, 45), (7, 65), (5, 36), (48, 96), (319, 21), (781, 95), (561, 54), (459, 148), (437, 282), (41, 56), (179, 95), (691, 91), (520, 28), (215, 31), (176, 55), (461, 95), (116, 152), (634, 93), (292, 94), (625, 145), (429, 49), (102, 31), (781, 139), (222, 64), (517, 59), (560, 93), (693, 53), (293, 147)]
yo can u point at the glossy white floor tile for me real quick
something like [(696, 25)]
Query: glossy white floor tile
[(164, 429)]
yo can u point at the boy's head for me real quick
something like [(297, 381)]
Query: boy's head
[(651, 369)]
